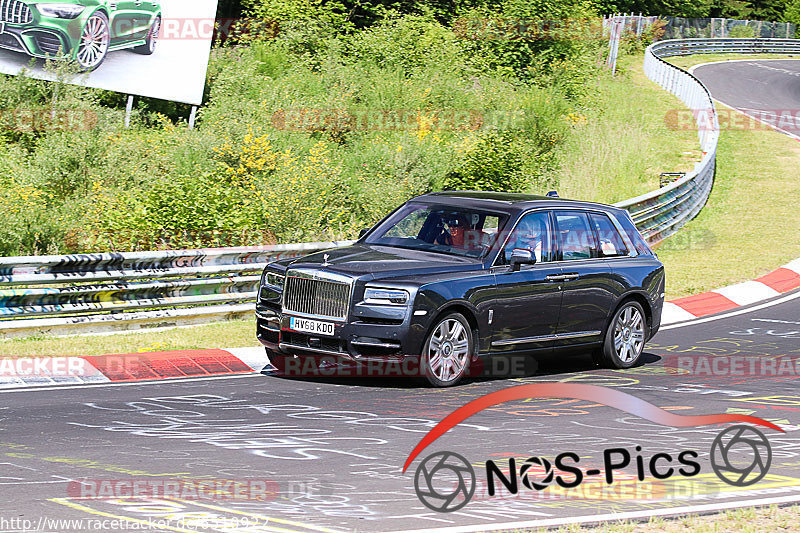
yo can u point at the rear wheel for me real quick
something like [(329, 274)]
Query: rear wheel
[(624, 341), (152, 38), (447, 351)]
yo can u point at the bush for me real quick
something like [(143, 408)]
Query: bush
[(742, 32), (310, 135), (409, 44)]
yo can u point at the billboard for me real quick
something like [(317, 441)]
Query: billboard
[(154, 48)]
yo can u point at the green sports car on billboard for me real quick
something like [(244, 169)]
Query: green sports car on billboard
[(83, 30)]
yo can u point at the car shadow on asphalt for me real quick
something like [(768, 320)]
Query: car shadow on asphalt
[(555, 367)]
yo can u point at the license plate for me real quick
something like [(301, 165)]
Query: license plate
[(311, 326)]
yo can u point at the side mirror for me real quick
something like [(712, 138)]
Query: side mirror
[(362, 233), (521, 256)]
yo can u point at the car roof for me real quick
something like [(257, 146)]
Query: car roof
[(509, 202)]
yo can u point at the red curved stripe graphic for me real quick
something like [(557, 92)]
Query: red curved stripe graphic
[(592, 393)]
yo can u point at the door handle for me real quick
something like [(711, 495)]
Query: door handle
[(571, 276), (555, 277)]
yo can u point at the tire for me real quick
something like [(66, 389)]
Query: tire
[(152, 38), (447, 351), (625, 337), (93, 46)]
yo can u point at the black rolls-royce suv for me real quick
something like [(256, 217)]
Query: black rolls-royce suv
[(451, 277)]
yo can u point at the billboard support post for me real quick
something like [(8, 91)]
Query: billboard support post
[(128, 109), (192, 117)]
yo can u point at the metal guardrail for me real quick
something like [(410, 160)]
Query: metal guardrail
[(682, 47), (115, 291), (124, 291), (662, 212)]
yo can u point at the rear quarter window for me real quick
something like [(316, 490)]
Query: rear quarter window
[(636, 238)]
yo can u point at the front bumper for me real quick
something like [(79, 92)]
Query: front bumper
[(361, 338), (43, 37)]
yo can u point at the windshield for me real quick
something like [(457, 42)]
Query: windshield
[(435, 228)]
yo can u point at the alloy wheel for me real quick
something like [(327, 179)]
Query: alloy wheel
[(629, 334), (448, 350), (94, 42)]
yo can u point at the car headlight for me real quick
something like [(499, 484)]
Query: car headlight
[(60, 11), (385, 296), (274, 279)]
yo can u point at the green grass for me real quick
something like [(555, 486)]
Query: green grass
[(230, 334), (750, 225), (625, 144), (745, 520)]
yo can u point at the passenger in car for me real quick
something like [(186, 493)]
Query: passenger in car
[(530, 236)]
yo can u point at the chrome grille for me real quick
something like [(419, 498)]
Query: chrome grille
[(15, 12), (316, 297)]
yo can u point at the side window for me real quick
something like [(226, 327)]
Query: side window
[(610, 241), (636, 238), (575, 235), (532, 233)]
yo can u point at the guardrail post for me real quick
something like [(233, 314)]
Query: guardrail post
[(192, 117), (128, 110)]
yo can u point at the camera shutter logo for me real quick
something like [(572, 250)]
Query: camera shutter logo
[(743, 440), (445, 482), (547, 476)]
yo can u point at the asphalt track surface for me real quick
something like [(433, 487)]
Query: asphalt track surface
[(333, 449), (754, 87)]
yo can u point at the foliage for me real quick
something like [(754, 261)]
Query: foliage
[(793, 15), (742, 32), (767, 10), (312, 134)]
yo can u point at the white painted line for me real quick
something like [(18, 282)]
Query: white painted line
[(630, 515), (132, 383), (672, 313), (735, 313), (255, 357), (692, 69), (748, 292)]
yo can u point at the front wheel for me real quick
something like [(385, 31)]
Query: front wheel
[(95, 38), (624, 341), (447, 351)]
